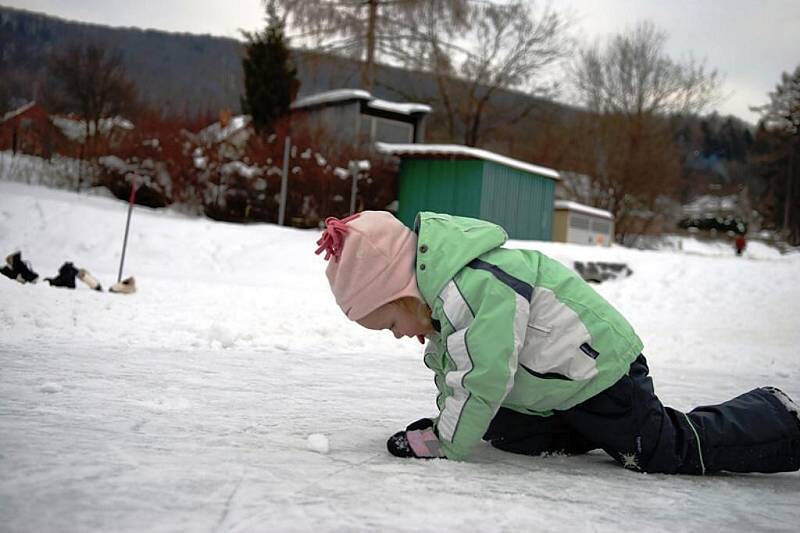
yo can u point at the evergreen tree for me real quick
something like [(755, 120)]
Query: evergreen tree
[(781, 118), (270, 78)]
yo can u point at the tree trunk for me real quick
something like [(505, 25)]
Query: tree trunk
[(791, 206), (368, 74), (787, 203)]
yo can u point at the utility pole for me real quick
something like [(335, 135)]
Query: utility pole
[(287, 146)]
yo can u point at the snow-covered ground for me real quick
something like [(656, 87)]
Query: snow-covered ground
[(230, 394)]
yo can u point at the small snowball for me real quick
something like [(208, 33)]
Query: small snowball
[(50, 387), (318, 443), (222, 335)]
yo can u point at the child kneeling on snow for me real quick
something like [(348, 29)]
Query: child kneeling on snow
[(530, 358)]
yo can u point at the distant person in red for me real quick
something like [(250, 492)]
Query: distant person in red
[(740, 243)]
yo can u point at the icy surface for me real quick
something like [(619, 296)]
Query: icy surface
[(188, 406)]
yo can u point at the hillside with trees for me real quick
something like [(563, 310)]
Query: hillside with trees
[(481, 96)]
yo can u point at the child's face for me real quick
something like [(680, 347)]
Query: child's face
[(399, 320)]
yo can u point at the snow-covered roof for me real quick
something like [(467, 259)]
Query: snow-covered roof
[(75, 129), (404, 108), (339, 95), (344, 95), (581, 208), (18, 111), (457, 150)]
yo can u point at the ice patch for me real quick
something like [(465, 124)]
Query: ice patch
[(318, 442), (50, 387)]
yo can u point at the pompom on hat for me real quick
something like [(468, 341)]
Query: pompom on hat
[(374, 258)]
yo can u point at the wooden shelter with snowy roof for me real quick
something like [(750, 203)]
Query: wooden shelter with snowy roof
[(471, 182), (582, 224), (355, 117)]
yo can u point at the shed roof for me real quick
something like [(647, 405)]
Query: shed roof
[(581, 208), (18, 111), (406, 108), (345, 95), (463, 152)]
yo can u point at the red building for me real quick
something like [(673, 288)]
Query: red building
[(29, 130)]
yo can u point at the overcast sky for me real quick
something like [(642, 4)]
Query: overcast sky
[(750, 41)]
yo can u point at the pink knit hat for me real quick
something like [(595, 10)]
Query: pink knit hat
[(374, 258)]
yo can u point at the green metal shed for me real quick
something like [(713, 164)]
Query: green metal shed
[(465, 181)]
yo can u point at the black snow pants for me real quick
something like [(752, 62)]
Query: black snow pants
[(753, 432)]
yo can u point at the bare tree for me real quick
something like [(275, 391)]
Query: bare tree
[(633, 75), (507, 47), (365, 29), (631, 87), (91, 80)]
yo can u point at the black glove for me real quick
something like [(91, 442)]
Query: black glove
[(418, 440)]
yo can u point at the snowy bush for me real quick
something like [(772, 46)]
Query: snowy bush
[(57, 172), (223, 170), (140, 158)]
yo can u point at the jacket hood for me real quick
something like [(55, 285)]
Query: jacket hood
[(446, 244)]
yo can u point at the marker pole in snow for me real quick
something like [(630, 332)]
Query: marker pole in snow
[(127, 226), (284, 179), (353, 168), (358, 170)]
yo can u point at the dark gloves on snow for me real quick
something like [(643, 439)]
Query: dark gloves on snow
[(418, 440)]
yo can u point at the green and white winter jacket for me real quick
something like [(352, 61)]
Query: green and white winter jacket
[(517, 329)]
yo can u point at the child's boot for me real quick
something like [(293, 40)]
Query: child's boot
[(126, 286), (65, 278), (89, 280), (787, 402), (23, 270), (8, 272), (758, 431)]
